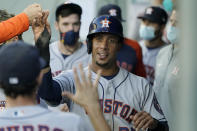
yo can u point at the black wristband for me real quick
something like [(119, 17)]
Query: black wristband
[(43, 45), (161, 126)]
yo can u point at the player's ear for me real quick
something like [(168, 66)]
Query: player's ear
[(163, 27), (79, 25), (56, 26), (120, 43), (39, 77)]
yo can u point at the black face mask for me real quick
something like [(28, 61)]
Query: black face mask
[(69, 38)]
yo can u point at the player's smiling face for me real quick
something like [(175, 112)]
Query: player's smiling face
[(104, 49)]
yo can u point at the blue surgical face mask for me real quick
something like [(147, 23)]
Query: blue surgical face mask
[(147, 32), (172, 34), (69, 38), (168, 5)]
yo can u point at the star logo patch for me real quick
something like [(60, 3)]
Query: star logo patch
[(105, 23), (113, 12)]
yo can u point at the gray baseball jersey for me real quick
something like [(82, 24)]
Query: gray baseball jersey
[(59, 64), (120, 97), (166, 75), (36, 118), (149, 60)]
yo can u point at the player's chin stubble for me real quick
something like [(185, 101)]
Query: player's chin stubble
[(105, 65)]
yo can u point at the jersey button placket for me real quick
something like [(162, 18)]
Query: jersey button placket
[(109, 96)]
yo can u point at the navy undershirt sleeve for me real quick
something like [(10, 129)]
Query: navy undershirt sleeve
[(50, 90)]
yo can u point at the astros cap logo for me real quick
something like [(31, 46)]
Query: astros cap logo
[(105, 23), (149, 11), (67, 2), (113, 12)]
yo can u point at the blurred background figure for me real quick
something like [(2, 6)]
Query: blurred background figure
[(167, 72), (153, 22), (68, 51)]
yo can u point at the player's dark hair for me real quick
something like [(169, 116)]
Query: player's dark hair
[(4, 15), (20, 37), (66, 12), (14, 91)]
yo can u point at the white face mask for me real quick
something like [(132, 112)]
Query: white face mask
[(147, 32), (172, 33)]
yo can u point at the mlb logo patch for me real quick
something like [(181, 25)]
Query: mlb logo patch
[(113, 12), (105, 23)]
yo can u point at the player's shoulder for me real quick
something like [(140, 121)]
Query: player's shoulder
[(53, 44), (131, 42), (142, 44), (65, 116), (65, 73), (134, 78), (164, 51), (83, 47), (166, 48), (53, 47)]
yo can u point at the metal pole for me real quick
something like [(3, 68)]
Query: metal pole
[(187, 109)]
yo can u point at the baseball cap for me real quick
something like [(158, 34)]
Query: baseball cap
[(111, 9), (69, 5), (155, 14), (20, 63)]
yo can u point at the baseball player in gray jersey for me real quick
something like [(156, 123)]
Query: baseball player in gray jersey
[(20, 80), (126, 100), (153, 22), (68, 51)]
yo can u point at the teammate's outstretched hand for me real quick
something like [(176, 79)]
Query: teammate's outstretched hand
[(86, 91), (143, 120), (87, 96), (33, 11), (39, 25)]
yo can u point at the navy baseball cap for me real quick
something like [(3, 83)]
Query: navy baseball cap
[(111, 9), (105, 24), (155, 14), (20, 63), (68, 5)]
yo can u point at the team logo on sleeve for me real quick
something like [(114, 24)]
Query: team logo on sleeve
[(156, 105), (105, 23), (2, 105), (113, 12), (175, 70)]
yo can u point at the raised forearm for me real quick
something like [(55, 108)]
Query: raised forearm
[(13, 26), (50, 90), (96, 116)]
